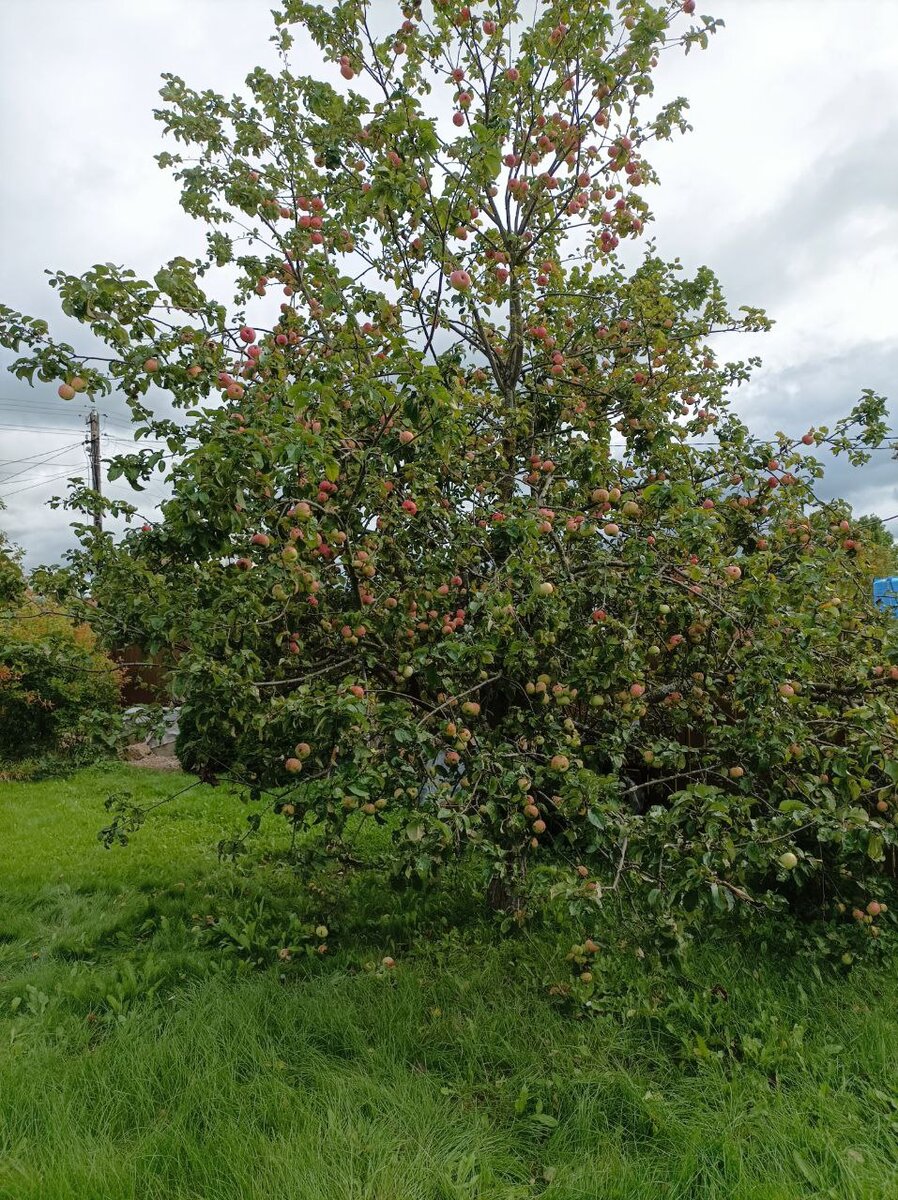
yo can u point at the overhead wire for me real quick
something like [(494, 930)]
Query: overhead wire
[(40, 463), (12, 462), (28, 487), (40, 428)]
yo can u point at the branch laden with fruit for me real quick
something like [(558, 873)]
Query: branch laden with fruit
[(465, 537)]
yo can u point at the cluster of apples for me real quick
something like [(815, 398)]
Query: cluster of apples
[(293, 764), (531, 811), (71, 387), (867, 915)]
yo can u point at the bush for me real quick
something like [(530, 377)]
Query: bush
[(58, 692)]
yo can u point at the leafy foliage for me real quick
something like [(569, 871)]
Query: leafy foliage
[(465, 537), (58, 692), (12, 580)]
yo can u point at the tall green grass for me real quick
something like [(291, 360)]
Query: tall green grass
[(139, 1061)]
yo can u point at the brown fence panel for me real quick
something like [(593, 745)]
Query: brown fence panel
[(143, 684)]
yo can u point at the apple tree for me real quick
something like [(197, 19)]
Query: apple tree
[(465, 537)]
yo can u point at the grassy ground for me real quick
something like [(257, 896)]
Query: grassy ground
[(138, 1060)]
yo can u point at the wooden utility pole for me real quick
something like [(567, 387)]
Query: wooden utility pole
[(93, 426)]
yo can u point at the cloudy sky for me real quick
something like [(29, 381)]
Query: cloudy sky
[(787, 187)]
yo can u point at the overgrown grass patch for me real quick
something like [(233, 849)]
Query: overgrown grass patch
[(144, 1058)]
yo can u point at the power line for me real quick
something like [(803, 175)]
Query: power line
[(4, 480), (40, 483), (41, 428), (12, 462)]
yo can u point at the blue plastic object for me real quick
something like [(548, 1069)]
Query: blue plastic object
[(885, 593)]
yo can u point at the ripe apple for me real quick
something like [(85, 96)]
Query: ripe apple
[(460, 280), (65, 391), (260, 539), (151, 365), (538, 826), (559, 762), (637, 690), (470, 708), (293, 765)]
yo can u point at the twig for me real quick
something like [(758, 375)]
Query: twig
[(620, 865)]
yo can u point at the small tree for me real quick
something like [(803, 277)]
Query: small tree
[(58, 692), (464, 535)]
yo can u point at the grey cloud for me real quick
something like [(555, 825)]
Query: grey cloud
[(783, 249), (819, 392)]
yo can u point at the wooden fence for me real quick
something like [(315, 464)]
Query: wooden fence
[(144, 684)]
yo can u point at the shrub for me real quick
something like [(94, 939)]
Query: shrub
[(58, 692)]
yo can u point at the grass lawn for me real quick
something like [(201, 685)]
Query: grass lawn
[(139, 1061)]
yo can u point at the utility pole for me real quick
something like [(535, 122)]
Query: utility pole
[(93, 426)]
